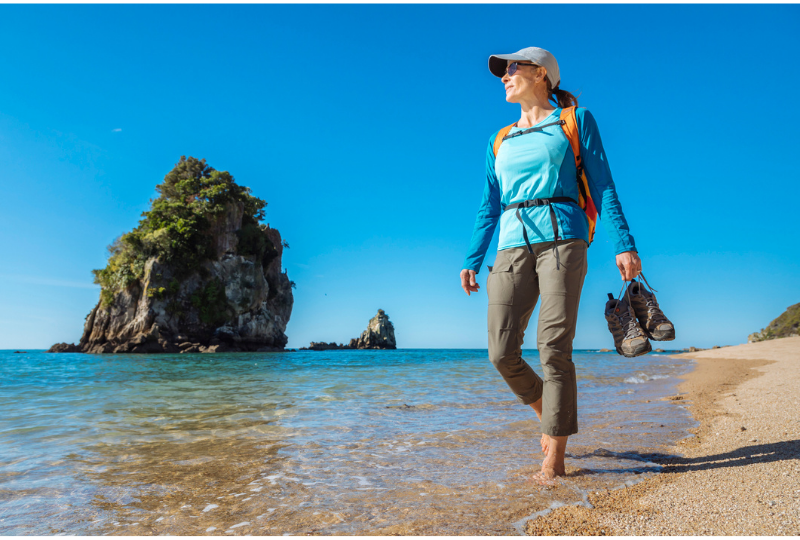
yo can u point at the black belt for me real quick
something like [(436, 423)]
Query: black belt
[(553, 221)]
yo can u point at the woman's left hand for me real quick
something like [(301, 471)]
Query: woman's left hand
[(629, 264)]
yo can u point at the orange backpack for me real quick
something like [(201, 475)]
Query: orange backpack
[(569, 123)]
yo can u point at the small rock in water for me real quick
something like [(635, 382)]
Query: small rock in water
[(210, 507), (211, 529), (242, 524), (378, 335)]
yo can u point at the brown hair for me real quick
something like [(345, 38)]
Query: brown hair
[(561, 97)]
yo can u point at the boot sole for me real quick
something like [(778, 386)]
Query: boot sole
[(664, 336), (636, 353)]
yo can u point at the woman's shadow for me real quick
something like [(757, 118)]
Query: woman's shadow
[(746, 455)]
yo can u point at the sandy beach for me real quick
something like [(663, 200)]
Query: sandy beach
[(739, 473)]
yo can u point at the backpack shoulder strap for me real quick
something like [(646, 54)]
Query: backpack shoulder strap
[(570, 128), (498, 140)]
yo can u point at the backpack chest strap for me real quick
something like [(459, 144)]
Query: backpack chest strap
[(532, 130)]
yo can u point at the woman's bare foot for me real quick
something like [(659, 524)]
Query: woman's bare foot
[(548, 475), (552, 468), (554, 449), (543, 478), (553, 464)]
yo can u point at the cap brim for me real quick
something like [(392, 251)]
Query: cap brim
[(498, 63)]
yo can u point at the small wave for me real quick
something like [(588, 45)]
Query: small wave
[(643, 377)]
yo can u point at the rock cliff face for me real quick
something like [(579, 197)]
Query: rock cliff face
[(787, 325), (230, 303), (378, 335)]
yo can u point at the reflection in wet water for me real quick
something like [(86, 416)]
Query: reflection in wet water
[(346, 442)]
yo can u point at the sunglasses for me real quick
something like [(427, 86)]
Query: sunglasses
[(512, 67)]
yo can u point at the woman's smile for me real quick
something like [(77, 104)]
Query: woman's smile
[(509, 91)]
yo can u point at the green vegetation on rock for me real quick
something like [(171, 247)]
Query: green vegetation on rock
[(176, 228), (787, 325), (211, 303), (252, 242)]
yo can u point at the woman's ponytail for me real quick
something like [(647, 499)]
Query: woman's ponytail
[(561, 97)]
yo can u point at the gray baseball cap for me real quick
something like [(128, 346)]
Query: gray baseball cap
[(540, 57)]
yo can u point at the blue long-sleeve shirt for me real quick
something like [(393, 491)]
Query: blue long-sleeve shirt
[(541, 164)]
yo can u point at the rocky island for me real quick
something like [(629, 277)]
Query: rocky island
[(200, 273), (378, 335)]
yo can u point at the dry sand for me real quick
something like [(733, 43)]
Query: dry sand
[(739, 473)]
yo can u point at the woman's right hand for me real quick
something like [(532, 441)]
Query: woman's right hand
[(629, 264), (468, 282)]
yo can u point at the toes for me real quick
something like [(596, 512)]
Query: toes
[(545, 443), (544, 478)]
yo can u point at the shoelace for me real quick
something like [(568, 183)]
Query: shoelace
[(630, 326), (629, 323), (655, 313)]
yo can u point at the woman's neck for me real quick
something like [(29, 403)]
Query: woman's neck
[(534, 112)]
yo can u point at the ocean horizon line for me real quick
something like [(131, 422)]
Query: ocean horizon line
[(292, 349)]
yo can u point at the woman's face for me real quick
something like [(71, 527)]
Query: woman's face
[(520, 85)]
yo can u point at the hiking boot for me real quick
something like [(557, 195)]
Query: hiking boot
[(629, 338), (652, 320)]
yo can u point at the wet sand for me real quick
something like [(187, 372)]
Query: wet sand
[(739, 473)]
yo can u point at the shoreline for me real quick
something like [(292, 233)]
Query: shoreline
[(738, 472)]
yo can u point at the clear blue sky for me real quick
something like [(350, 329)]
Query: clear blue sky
[(365, 129)]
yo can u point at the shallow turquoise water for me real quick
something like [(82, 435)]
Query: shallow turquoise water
[(97, 443)]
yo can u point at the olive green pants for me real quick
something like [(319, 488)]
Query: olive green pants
[(514, 285)]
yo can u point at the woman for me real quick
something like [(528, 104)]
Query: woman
[(542, 245)]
